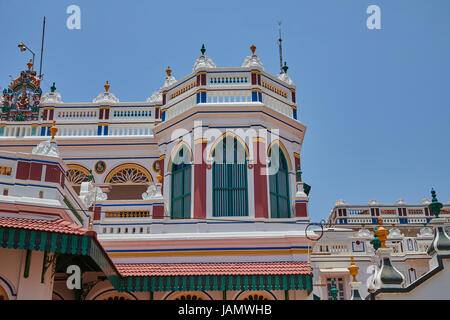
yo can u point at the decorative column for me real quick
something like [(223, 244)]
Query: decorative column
[(260, 178), (200, 168)]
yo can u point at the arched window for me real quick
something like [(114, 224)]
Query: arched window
[(128, 182), (76, 175), (229, 179), (181, 185), (279, 184)]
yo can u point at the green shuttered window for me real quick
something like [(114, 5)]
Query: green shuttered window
[(181, 186), (279, 185), (230, 195)]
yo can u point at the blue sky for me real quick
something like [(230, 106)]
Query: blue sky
[(376, 102)]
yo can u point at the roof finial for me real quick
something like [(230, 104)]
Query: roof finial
[(30, 64), (353, 269), (381, 233), (280, 47), (53, 130), (107, 86), (203, 50), (435, 206), (253, 48), (285, 68), (53, 88), (168, 71)]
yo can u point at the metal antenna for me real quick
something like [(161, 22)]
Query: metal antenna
[(42, 49), (279, 44)]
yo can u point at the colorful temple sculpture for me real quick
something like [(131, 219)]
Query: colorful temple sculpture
[(195, 193)]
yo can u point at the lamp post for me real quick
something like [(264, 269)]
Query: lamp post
[(23, 48)]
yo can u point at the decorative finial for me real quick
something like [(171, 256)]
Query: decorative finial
[(30, 64), (107, 86), (334, 291), (285, 67), (53, 130), (203, 50), (353, 269), (381, 233), (53, 88), (253, 48), (435, 206), (159, 177), (168, 71)]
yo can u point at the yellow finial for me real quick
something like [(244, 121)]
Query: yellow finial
[(381, 233), (253, 48), (30, 64), (353, 269), (168, 71), (53, 130), (107, 86), (159, 177)]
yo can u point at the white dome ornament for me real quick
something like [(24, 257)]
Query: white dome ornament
[(49, 147), (106, 97), (169, 79), (283, 76), (253, 60), (51, 97), (155, 98), (203, 61)]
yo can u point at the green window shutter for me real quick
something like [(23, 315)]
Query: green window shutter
[(181, 186), (254, 283), (230, 193), (238, 283), (279, 185)]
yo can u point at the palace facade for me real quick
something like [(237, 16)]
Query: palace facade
[(195, 193)]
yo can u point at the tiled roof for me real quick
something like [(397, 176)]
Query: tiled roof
[(57, 226), (207, 269)]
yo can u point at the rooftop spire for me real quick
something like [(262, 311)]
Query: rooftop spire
[(203, 50), (280, 46), (253, 48)]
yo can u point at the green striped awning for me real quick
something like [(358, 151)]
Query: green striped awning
[(216, 282), (84, 245)]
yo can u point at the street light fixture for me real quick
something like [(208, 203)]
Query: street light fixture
[(23, 47)]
